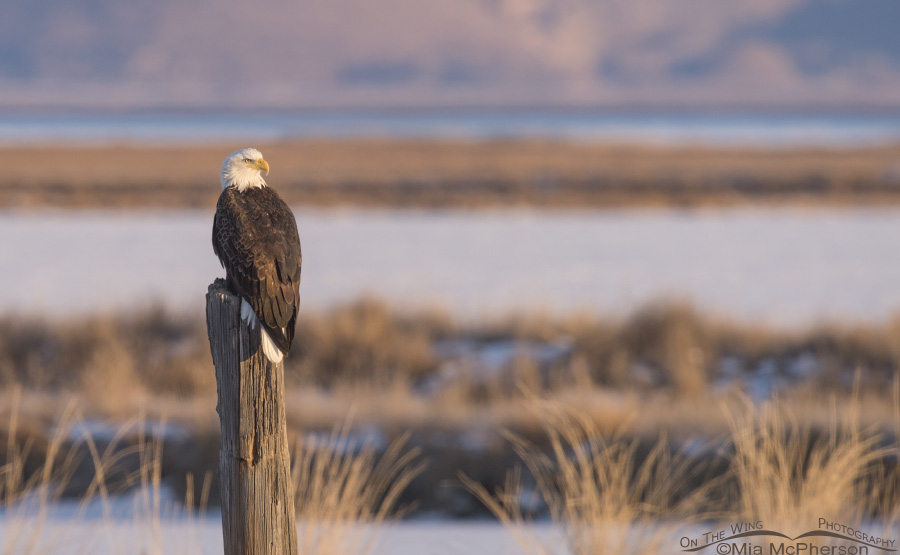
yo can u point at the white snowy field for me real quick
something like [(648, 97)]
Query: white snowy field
[(776, 265), (203, 535)]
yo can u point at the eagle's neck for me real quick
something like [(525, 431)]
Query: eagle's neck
[(242, 178)]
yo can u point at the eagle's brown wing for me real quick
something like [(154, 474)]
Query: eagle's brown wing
[(255, 237)]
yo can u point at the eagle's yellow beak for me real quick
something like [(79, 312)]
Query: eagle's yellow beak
[(263, 165)]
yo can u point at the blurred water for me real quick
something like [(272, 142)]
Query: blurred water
[(778, 265), (753, 130)]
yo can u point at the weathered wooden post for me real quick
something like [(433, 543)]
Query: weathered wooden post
[(254, 462)]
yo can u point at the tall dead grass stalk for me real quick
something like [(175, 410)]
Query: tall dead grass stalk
[(606, 493), (344, 492), (790, 476), (29, 496), (608, 496)]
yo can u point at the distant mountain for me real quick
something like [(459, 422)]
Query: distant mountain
[(451, 53)]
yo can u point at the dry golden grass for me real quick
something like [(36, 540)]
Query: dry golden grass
[(344, 496), (665, 355), (366, 342), (611, 487), (344, 493), (610, 498), (608, 493), (453, 173), (790, 476), (27, 495), (624, 377)]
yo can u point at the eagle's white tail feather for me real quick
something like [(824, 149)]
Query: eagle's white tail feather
[(269, 348)]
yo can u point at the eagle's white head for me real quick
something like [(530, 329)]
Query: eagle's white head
[(243, 169)]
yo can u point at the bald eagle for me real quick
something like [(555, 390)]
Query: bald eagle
[(255, 237)]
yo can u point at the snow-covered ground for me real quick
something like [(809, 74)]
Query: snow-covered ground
[(778, 265), (203, 535)]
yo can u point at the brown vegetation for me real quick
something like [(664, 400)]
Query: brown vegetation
[(342, 498), (610, 497), (668, 347), (607, 491), (420, 173), (441, 381)]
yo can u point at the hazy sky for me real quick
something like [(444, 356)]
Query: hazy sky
[(408, 53)]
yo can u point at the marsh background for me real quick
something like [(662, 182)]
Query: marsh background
[(660, 236)]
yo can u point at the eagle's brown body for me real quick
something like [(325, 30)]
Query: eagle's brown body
[(255, 237)]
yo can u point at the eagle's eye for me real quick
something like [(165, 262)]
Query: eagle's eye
[(247, 160)]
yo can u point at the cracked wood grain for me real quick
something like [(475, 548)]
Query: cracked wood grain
[(254, 462)]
